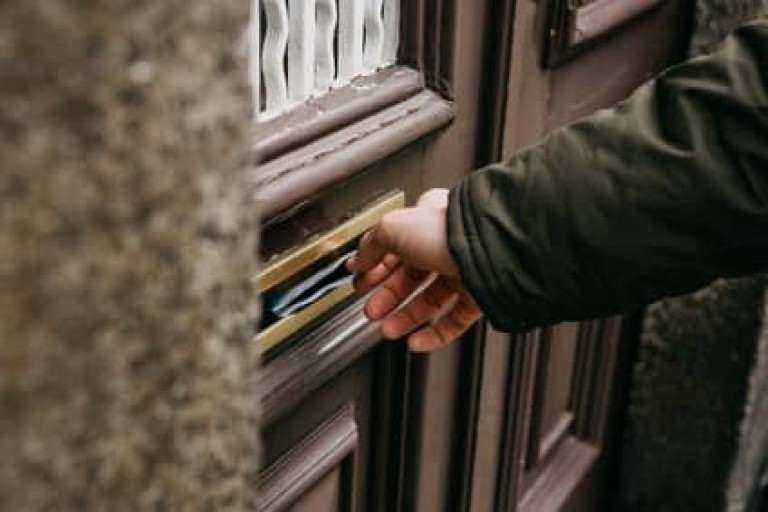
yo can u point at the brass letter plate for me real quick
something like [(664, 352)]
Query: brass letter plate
[(296, 274)]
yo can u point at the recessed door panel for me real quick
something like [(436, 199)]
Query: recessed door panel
[(325, 496), (554, 426), (559, 377)]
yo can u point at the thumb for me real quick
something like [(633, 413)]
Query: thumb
[(417, 236), (385, 237), (434, 198)]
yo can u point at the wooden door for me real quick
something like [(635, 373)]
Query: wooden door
[(349, 421), (548, 401), (495, 422)]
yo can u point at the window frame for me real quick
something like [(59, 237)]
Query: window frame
[(574, 25)]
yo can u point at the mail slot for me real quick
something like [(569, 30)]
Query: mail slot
[(301, 286)]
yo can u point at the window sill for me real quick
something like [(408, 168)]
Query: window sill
[(293, 177), (333, 110)]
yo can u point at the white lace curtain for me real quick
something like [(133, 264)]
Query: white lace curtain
[(300, 48)]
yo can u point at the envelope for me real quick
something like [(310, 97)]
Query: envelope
[(310, 289)]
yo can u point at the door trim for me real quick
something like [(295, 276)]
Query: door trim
[(571, 29), (294, 473)]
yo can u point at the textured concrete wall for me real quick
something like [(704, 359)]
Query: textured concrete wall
[(688, 398), (126, 240), (749, 471), (697, 432)]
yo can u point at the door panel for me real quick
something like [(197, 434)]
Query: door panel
[(558, 361), (317, 472), (323, 497), (541, 99)]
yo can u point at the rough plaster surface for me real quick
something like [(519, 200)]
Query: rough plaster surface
[(126, 241), (697, 432)]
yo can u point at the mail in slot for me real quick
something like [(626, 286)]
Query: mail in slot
[(308, 282)]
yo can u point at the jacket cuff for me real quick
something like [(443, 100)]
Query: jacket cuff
[(475, 262)]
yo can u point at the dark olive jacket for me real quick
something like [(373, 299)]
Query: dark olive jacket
[(658, 196)]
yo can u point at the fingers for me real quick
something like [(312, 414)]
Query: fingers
[(416, 235), (446, 328), (373, 247), (442, 313), (394, 290), (397, 255), (439, 314), (378, 274), (420, 311)]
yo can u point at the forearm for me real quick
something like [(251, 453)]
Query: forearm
[(656, 197)]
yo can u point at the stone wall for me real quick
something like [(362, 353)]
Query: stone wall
[(749, 471), (127, 237), (688, 398)]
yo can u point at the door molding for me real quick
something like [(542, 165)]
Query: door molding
[(572, 28), (296, 177), (331, 445), (302, 368), (337, 108)]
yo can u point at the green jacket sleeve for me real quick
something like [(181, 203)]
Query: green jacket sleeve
[(658, 196)]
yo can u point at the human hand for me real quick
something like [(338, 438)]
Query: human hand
[(399, 254)]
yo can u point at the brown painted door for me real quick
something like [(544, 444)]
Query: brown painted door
[(493, 423), (350, 422), (548, 401)]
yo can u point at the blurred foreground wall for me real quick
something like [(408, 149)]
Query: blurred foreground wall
[(126, 241)]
